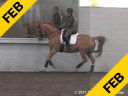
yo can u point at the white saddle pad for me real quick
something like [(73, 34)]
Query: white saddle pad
[(73, 38)]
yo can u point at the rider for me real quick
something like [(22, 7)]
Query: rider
[(57, 18), (69, 26)]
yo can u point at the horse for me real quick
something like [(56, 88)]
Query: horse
[(85, 44)]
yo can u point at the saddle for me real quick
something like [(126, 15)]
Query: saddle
[(68, 38), (72, 38)]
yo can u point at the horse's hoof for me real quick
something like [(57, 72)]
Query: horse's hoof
[(92, 68), (79, 65)]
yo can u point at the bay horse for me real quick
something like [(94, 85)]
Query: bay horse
[(85, 44)]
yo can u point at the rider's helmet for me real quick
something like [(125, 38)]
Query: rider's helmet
[(70, 10)]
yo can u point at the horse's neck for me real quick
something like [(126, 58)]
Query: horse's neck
[(55, 37), (52, 31)]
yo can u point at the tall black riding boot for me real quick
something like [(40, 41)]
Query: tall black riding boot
[(67, 44)]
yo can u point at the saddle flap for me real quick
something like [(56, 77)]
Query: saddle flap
[(73, 37)]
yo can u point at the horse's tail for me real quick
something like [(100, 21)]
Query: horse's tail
[(101, 41)]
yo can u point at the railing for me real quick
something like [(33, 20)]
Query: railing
[(22, 41)]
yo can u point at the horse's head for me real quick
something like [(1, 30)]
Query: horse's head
[(36, 26), (33, 29)]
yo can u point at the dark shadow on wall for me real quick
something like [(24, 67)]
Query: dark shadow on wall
[(40, 11)]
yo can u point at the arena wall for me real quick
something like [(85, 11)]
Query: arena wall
[(111, 23)]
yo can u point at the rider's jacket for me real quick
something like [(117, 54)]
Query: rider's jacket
[(70, 22)]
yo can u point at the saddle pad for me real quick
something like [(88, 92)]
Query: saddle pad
[(73, 38)]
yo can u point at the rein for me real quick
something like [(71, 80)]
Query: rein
[(54, 32), (46, 35)]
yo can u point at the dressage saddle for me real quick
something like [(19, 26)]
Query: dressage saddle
[(64, 47)]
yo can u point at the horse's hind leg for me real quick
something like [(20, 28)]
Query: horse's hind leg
[(50, 55), (92, 60), (83, 55)]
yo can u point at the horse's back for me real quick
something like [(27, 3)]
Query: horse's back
[(85, 41), (84, 37)]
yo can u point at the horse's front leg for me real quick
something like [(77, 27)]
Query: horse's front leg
[(50, 55)]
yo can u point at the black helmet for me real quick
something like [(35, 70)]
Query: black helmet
[(70, 10)]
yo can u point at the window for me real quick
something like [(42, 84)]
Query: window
[(104, 3)]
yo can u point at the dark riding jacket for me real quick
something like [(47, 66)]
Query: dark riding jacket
[(70, 23), (70, 26), (56, 19)]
